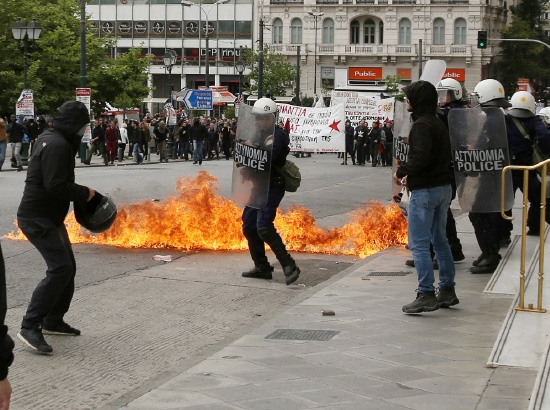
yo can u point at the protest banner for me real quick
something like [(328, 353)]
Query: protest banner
[(315, 129), (359, 105)]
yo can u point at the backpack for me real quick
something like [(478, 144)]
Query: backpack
[(291, 174)]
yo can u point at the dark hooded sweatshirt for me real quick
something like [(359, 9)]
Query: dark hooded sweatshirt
[(50, 185), (6, 344), (429, 143)]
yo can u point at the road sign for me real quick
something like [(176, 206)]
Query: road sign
[(198, 99)]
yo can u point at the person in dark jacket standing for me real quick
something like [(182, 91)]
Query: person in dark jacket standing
[(161, 134), (349, 131), (426, 174), (17, 130), (374, 140), (97, 142), (49, 189), (225, 136), (387, 156), (361, 142), (6, 344), (198, 134)]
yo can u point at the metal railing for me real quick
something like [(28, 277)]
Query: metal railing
[(525, 206)]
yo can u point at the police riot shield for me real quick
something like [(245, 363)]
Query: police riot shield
[(480, 153), (402, 127), (433, 71), (252, 157)]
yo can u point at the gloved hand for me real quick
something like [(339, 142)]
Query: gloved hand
[(93, 203)]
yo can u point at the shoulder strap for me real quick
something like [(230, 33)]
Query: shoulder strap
[(521, 128)]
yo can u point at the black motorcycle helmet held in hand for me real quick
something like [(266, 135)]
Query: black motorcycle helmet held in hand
[(97, 215)]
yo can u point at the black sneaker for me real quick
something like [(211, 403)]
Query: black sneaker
[(62, 329), (259, 272), (424, 302), (447, 297), (34, 339)]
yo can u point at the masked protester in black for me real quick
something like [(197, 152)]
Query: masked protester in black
[(6, 344), (49, 189)]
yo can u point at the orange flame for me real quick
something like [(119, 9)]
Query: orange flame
[(196, 218)]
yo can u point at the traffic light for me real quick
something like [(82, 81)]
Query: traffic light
[(482, 39)]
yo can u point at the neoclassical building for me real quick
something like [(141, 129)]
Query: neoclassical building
[(354, 42), (361, 41)]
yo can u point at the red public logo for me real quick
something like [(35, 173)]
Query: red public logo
[(364, 73)]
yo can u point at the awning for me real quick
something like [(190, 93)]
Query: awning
[(155, 100)]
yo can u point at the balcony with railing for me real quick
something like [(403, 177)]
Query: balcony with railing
[(378, 50)]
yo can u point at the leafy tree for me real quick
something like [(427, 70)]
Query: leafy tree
[(530, 60), (393, 83), (123, 81), (279, 74), (54, 59)]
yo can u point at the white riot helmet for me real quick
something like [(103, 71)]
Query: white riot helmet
[(265, 106), (523, 105), (490, 93), (544, 114), (448, 87)]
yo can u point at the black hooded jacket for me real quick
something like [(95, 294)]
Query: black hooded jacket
[(6, 344), (50, 185), (429, 143)]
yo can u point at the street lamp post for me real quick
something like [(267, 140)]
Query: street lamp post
[(239, 66), (170, 58), (186, 3), (315, 16), (25, 31)]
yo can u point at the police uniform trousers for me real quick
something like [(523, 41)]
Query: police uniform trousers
[(254, 219), (533, 214), (52, 297)]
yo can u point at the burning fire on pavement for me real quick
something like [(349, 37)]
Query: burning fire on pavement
[(197, 218)]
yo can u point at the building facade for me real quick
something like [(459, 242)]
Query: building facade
[(361, 41), (354, 42)]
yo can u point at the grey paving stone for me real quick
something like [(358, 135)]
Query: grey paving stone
[(330, 397), (403, 374), (266, 375), (200, 381), (503, 404), (450, 385), (439, 402), (170, 399), (278, 403), (292, 386), (239, 393)]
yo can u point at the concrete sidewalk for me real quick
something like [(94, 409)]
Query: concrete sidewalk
[(369, 355)]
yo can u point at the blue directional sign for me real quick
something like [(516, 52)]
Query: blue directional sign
[(198, 99)]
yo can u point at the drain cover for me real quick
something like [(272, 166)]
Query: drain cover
[(300, 334), (401, 273)]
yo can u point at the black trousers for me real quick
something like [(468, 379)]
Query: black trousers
[(52, 297)]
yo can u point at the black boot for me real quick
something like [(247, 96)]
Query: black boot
[(487, 265), (259, 272), (447, 297), (272, 238)]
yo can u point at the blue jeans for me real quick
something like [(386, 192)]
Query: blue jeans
[(197, 150), (3, 148), (427, 222)]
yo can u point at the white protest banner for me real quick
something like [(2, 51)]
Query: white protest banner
[(25, 104), (315, 129), (84, 95), (359, 105)]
